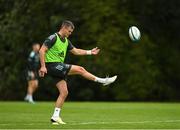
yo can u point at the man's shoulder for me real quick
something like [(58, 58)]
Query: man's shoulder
[(32, 54), (49, 42), (52, 36)]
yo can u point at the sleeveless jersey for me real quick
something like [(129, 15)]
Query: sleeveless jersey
[(57, 52)]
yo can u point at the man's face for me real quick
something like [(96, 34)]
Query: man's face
[(67, 31), (36, 47)]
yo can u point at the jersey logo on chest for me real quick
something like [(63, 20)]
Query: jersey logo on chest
[(61, 54)]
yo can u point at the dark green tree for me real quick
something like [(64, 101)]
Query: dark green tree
[(147, 69)]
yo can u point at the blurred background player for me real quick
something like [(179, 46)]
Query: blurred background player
[(32, 72)]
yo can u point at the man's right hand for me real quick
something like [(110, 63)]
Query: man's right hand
[(42, 71)]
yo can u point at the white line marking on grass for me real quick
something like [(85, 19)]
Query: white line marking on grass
[(98, 122), (123, 122)]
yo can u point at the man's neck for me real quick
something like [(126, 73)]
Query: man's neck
[(61, 34)]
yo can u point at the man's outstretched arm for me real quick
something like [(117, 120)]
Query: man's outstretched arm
[(77, 51)]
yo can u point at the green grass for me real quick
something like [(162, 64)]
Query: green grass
[(91, 115)]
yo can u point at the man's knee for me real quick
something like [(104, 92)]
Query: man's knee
[(62, 87), (64, 93), (81, 70)]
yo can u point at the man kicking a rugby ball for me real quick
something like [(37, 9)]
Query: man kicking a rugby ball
[(52, 55)]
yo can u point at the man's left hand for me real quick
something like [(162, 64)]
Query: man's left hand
[(95, 51)]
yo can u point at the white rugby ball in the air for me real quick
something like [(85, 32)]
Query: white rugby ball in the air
[(134, 33)]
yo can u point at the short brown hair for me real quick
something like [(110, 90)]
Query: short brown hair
[(67, 23)]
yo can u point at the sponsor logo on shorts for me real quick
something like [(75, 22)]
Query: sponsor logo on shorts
[(59, 67)]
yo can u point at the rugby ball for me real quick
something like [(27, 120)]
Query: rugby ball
[(134, 33)]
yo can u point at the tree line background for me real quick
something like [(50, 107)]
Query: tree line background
[(148, 70)]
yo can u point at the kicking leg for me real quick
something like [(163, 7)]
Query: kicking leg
[(81, 71), (78, 70)]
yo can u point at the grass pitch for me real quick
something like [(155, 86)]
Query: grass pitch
[(91, 115)]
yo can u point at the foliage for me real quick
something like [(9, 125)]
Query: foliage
[(147, 70)]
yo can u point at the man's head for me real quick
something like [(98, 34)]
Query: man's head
[(67, 28), (36, 47)]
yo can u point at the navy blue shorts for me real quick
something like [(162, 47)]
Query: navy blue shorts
[(58, 70), (31, 75)]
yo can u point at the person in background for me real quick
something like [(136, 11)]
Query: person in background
[(32, 72)]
